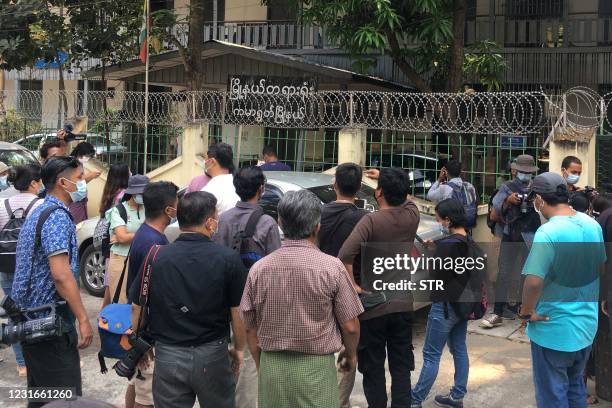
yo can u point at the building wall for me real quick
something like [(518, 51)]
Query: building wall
[(245, 10)]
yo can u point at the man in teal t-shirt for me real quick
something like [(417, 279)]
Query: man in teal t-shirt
[(560, 294)]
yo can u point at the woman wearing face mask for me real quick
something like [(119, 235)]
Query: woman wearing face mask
[(444, 325), (124, 219), (26, 180), (83, 152)]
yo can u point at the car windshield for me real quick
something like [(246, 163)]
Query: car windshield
[(327, 194), (14, 158)]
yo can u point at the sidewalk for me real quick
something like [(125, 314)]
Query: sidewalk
[(500, 369)]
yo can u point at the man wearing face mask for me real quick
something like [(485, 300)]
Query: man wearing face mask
[(560, 294), (220, 166), (160, 202), (520, 223), (47, 271), (571, 170), (194, 294), (83, 152)]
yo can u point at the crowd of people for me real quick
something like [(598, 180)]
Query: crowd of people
[(289, 300)]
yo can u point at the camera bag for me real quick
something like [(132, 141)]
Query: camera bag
[(115, 320), (114, 324)]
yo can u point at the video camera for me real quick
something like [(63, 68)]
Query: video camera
[(24, 328), (75, 129), (126, 367)]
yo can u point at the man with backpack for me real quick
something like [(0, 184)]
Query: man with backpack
[(451, 185), (252, 234), (160, 204), (46, 272), (520, 221), (338, 219)]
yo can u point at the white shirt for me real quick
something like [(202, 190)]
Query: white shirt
[(222, 187)]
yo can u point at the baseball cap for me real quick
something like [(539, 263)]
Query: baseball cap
[(548, 183)]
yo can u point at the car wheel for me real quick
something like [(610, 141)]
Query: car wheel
[(92, 271)]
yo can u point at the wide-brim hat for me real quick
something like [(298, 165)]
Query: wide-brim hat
[(525, 164), (136, 184)]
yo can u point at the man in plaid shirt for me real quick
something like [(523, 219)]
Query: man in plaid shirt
[(299, 308)]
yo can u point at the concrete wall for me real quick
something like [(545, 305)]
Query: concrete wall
[(245, 10), (180, 170)]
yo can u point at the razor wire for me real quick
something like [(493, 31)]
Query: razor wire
[(292, 107)]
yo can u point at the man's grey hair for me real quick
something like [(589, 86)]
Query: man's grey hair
[(299, 213)]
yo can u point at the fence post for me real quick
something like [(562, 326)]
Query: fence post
[(352, 146)]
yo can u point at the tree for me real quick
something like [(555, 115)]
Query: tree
[(425, 38), (165, 23), (17, 49), (107, 31)]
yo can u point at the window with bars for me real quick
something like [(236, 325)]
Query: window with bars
[(470, 11), (534, 9), (605, 8)]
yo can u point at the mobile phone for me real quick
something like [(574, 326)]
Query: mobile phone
[(360, 203)]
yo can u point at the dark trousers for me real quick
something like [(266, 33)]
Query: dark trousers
[(54, 363), (391, 333), (512, 256), (183, 374)]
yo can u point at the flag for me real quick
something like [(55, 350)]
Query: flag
[(143, 39)]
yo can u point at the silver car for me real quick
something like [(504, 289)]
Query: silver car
[(277, 184), (35, 141)]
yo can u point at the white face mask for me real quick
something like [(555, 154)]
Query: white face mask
[(83, 159)]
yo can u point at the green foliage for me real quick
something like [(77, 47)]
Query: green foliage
[(485, 64), (417, 34), (17, 49), (105, 30)]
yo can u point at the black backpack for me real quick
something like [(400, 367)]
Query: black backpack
[(468, 200), (10, 234), (101, 236), (243, 241), (474, 301)]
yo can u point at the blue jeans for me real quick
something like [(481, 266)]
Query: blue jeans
[(6, 281), (441, 330), (558, 377)]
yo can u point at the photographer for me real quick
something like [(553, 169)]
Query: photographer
[(520, 223), (195, 286), (580, 199), (46, 272)]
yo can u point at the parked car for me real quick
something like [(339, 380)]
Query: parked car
[(35, 141), (13, 154), (277, 184)]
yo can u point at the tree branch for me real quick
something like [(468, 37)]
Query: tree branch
[(412, 75), (182, 52)]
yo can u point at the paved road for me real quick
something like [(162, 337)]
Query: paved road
[(500, 369)]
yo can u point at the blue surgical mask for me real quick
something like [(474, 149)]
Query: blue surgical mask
[(81, 192), (524, 177), (3, 182), (138, 199), (573, 178), (41, 189), (443, 230)]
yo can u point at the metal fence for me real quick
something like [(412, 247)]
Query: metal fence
[(418, 132)]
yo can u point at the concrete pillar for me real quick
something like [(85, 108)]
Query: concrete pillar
[(586, 152), (352, 146)]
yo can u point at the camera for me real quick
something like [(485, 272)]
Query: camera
[(70, 135), (524, 199), (126, 367), (25, 328)]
